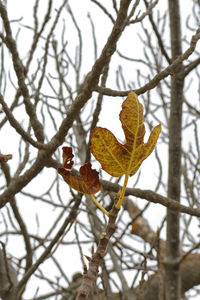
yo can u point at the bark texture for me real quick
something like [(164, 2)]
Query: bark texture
[(172, 268)]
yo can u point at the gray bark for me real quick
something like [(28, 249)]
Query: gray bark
[(172, 268), (8, 278)]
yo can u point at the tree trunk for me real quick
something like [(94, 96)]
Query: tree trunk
[(172, 268)]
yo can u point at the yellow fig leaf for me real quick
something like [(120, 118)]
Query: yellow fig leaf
[(116, 158), (87, 183)]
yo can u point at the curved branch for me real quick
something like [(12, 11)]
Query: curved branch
[(191, 66), (92, 77), (17, 126), (71, 217), (154, 81), (152, 197), (160, 42), (20, 71), (190, 276)]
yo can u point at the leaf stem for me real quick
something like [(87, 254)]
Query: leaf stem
[(119, 202), (99, 205)]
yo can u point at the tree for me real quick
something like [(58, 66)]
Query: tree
[(57, 76)]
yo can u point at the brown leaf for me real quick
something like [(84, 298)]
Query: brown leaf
[(87, 183), (67, 158)]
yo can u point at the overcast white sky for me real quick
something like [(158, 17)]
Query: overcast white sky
[(129, 47)]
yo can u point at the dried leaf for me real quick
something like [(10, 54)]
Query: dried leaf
[(87, 183), (116, 158), (67, 158)]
